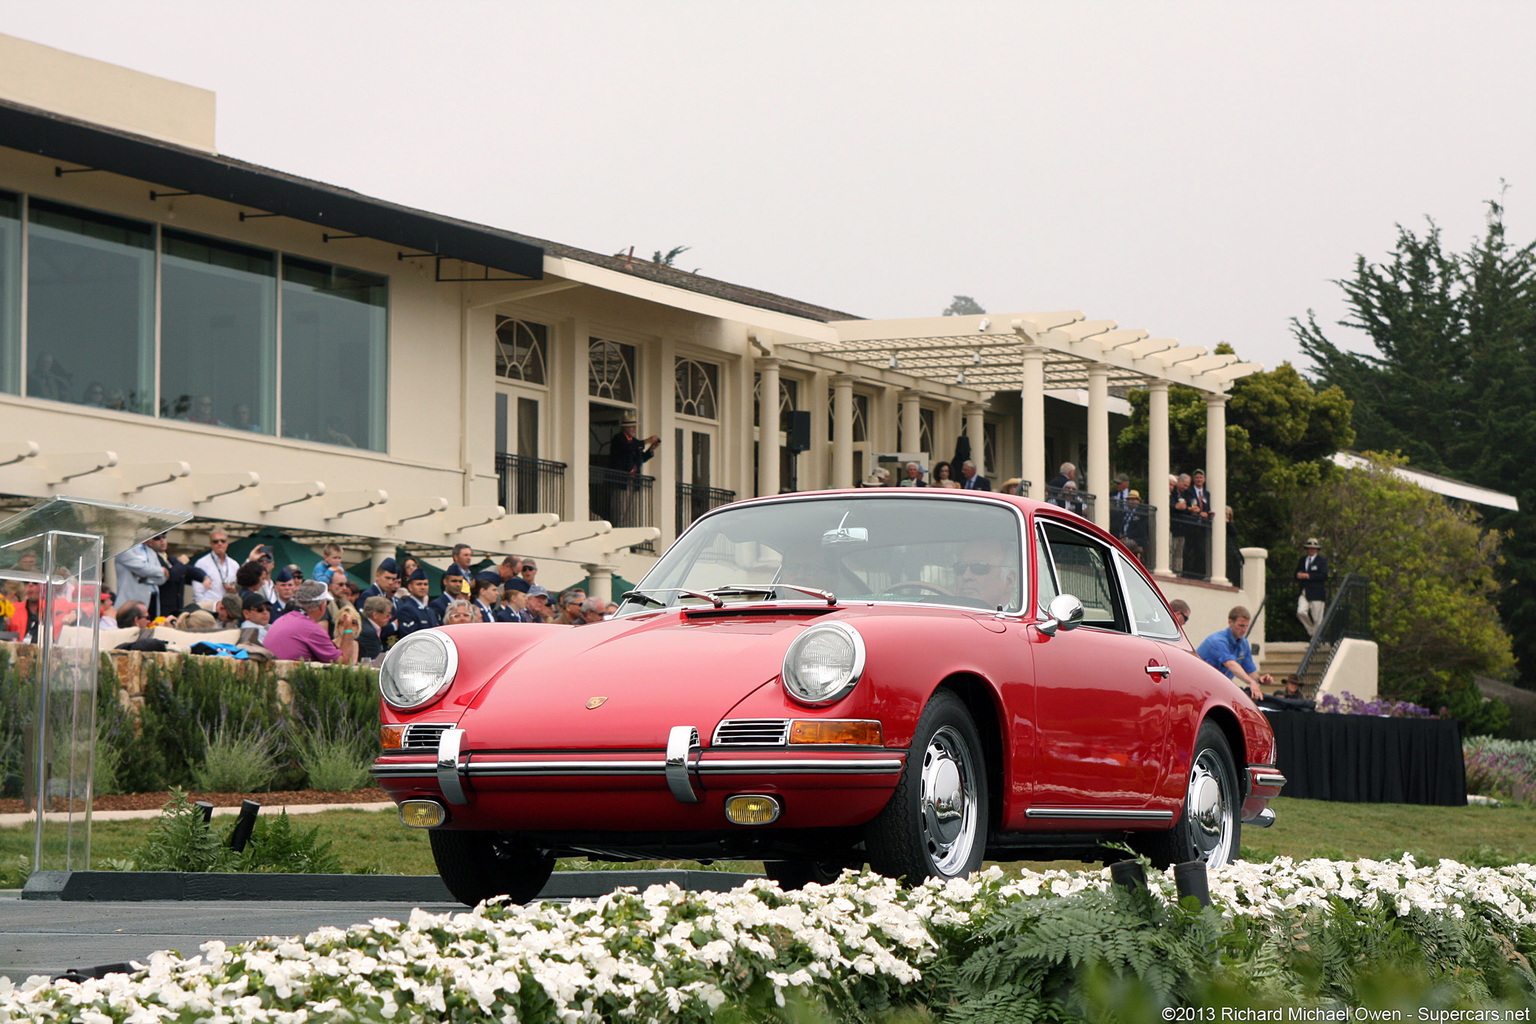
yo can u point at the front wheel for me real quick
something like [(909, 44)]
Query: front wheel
[(476, 866), (1210, 829), (935, 823)]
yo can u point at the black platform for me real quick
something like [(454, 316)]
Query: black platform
[(1366, 759)]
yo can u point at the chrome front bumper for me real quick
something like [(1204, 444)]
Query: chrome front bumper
[(682, 766)]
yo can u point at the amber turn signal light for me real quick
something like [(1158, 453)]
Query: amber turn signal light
[(392, 737), (752, 809), (832, 730), (422, 813)]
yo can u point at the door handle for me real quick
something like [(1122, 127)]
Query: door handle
[(1159, 670)]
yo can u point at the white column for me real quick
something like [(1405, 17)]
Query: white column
[(380, 550), (1098, 441), (599, 582), (1216, 483), (974, 430), (911, 423), (1032, 420), (1254, 585), (661, 398), (1157, 473), (813, 467), (768, 426), (842, 430)]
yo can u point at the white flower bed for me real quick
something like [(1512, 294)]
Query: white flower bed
[(669, 955)]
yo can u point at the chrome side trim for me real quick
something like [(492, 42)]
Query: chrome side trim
[(682, 747), (1080, 813), (448, 767), (700, 766)]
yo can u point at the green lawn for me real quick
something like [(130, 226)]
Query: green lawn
[(376, 841)]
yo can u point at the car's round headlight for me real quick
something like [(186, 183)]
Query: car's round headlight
[(824, 663), (418, 669)]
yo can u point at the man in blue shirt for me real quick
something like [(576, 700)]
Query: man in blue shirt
[(1228, 651)]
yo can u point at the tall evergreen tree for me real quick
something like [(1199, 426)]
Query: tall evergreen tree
[(1453, 383)]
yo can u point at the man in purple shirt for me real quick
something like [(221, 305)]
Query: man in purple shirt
[(299, 635)]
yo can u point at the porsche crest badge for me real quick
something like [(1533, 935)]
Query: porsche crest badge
[(595, 702)]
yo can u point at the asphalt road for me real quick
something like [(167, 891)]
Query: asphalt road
[(50, 937)]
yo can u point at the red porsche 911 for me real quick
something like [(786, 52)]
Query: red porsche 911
[(912, 679)]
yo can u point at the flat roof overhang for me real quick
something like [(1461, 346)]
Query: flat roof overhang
[(56, 137)]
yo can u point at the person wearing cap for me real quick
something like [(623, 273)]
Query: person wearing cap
[(484, 592), (300, 637), (386, 580), (1133, 525), (257, 617), (514, 603), (454, 589), (285, 583), (538, 603), (878, 477), (412, 610), (626, 453), (529, 570), (1312, 571)]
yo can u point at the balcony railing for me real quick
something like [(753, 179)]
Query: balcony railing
[(624, 499), (1136, 526), (531, 485), (694, 500), (1074, 500)]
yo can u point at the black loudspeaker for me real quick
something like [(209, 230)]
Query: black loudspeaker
[(799, 430)]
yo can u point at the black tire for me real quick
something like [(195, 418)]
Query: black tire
[(796, 874), (478, 865), (935, 825), (1210, 828)]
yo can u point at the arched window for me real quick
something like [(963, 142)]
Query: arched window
[(611, 370), (698, 385), (522, 349)]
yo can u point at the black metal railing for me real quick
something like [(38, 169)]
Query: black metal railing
[(1348, 616), (624, 499), (1071, 499), (531, 485), (694, 500)]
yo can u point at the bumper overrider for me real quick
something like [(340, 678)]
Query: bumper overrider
[(1264, 783), (684, 766)]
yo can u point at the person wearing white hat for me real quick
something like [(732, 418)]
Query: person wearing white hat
[(1312, 571)]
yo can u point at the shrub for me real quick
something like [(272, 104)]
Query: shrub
[(1498, 767), (236, 759), (182, 710), (1349, 704), (180, 839), (334, 759)]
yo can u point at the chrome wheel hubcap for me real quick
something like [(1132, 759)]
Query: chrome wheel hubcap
[(948, 802), (1209, 809)]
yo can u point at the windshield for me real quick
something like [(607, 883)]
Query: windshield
[(914, 549)]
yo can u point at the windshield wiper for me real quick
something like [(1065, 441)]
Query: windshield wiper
[(645, 595), (772, 590)]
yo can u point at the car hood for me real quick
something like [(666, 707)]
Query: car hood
[(644, 674)]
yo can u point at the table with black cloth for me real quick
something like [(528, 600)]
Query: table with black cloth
[(1368, 759)]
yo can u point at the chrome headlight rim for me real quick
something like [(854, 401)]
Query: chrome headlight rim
[(855, 672), (450, 653)]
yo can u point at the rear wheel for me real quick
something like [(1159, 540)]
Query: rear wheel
[(935, 823), (1210, 829), (478, 865)]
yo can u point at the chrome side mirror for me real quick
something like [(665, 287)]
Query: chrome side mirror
[(1065, 611)]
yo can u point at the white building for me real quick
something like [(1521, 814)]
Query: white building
[(186, 330)]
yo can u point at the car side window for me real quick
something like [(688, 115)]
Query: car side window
[(1083, 569), (1148, 611)]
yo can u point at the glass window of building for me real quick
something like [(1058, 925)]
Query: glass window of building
[(218, 332), (334, 354), (90, 308), (611, 370), (521, 349), (698, 385), (10, 293)]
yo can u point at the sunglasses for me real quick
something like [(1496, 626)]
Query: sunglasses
[(974, 568)]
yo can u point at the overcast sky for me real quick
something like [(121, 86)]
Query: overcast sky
[(1200, 170)]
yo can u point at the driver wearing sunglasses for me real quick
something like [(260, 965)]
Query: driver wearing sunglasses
[(985, 572)]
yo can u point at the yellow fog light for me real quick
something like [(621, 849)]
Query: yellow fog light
[(392, 736), (422, 813), (835, 730), (752, 810)]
